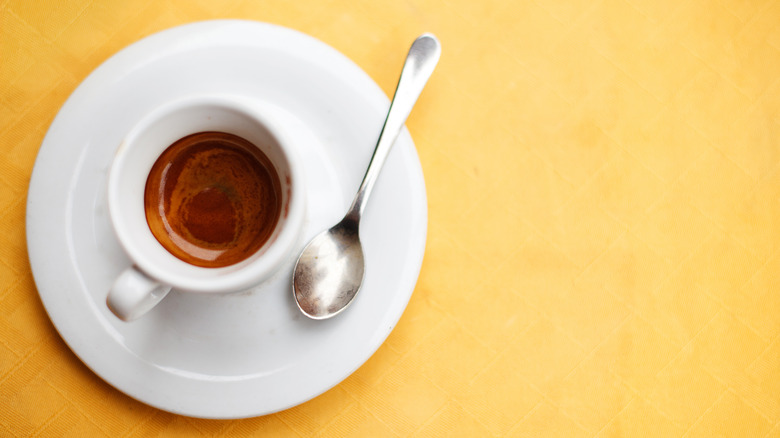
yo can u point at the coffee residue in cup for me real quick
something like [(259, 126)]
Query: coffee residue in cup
[(212, 199)]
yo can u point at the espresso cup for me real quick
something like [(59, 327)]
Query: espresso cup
[(205, 195)]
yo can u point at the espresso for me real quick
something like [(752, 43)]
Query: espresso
[(212, 199)]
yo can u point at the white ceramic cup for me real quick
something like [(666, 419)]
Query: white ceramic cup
[(155, 271)]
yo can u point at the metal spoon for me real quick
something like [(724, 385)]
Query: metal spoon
[(330, 270)]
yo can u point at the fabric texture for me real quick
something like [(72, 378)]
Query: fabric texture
[(603, 180)]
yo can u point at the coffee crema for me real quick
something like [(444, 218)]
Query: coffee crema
[(212, 199)]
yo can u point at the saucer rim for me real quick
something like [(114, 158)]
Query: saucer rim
[(41, 263)]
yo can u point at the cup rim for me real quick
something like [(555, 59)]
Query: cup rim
[(242, 275)]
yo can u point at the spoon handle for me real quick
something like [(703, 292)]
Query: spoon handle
[(419, 64)]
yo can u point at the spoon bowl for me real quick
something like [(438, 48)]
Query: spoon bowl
[(329, 271)]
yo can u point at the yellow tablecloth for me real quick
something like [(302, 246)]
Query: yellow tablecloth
[(603, 181)]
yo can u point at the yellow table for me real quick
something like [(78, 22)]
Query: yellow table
[(604, 191)]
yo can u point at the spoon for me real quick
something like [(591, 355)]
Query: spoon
[(330, 270)]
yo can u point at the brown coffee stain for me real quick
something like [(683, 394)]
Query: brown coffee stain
[(212, 199)]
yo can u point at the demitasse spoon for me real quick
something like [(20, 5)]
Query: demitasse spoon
[(330, 270)]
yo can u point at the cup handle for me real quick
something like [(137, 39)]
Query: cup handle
[(133, 294)]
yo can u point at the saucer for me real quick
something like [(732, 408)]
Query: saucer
[(250, 353)]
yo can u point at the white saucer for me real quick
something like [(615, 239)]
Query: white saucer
[(244, 354)]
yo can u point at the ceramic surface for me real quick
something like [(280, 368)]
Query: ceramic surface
[(243, 354)]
